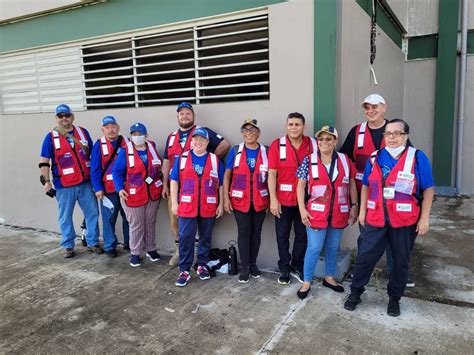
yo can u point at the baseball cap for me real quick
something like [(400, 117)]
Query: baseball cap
[(108, 120), (373, 99), (327, 129), (63, 109), (250, 121), (184, 105), (201, 132), (138, 127)]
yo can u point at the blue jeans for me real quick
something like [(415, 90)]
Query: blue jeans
[(67, 198), (109, 219), (317, 238)]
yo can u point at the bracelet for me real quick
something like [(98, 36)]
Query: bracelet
[(354, 204)]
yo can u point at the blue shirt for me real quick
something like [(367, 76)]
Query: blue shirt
[(47, 151), (251, 154), (214, 140), (198, 165), (423, 171), (96, 165), (119, 170)]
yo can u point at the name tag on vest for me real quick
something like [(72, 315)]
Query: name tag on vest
[(317, 207), (214, 174), (407, 176), (155, 162), (211, 200), (344, 208), (263, 168), (359, 176), (158, 183), (264, 193), (148, 180), (109, 177), (371, 204), (186, 198), (345, 180), (236, 193), (68, 171), (403, 207), (388, 193), (286, 187), (133, 191)]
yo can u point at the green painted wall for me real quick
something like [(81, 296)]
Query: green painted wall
[(111, 17)]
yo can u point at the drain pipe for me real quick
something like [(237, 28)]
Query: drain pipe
[(462, 94)]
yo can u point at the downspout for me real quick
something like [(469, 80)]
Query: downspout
[(462, 94)]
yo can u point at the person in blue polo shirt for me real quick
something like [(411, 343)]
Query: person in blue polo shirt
[(104, 154), (67, 148)]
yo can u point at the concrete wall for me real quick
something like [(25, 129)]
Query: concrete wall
[(468, 153), (291, 64)]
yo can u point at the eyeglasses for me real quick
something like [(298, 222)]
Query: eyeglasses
[(327, 139), (395, 134), (66, 115), (249, 130)]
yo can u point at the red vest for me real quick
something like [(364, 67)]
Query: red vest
[(402, 207), (106, 152), (328, 200), (198, 194), (174, 147), (286, 178), (73, 164), (363, 148), (247, 187), (142, 182)]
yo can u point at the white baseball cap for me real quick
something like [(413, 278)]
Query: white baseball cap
[(373, 99)]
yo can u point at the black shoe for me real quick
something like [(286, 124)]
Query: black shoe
[(153, 255), (97, 249), (254, 271), (284, 278), (111, 253), (352, 301), (393, 308), (126, 248), (302, 294), (410, 282), (297, 275), (337, 288), (69, 253), (244, 276)]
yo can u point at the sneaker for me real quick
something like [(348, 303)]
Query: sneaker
[(393, 308), (135, 260), (97, 249), (69, 253), (410, 282), (182, 279), (244, 276), (284, 278), (111, 253), (203, 273), (297, 275), (153, 255), (352, 301), (255, 272)]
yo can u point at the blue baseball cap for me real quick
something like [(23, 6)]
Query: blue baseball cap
[(63, 109), (185, 105), (201, 132), (108, 120), (138, 127)]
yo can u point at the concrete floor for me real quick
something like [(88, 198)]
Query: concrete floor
[(93, 304)]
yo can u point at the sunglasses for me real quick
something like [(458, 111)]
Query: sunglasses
[(395, 134), (64, 115), (249, 130), (327, 139)]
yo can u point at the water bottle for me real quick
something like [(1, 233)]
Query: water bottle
[(233, 268)]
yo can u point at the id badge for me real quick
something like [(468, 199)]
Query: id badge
[(405, 183), (388, 193), (148, 180)]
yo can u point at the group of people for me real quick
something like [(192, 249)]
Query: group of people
[(377, 178)]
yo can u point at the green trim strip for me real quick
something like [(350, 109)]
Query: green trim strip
[(325, 24), (445, 92), (383, 21), (426, 47), (113, 16)]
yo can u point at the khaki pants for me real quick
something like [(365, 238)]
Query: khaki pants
[(173, 221)]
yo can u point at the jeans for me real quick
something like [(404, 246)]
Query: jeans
[(249, 226), (317, 238), (109, 219), (187, 232), (67, 198), (373, 242), (290, 215)]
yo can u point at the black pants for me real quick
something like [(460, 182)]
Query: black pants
[(372, 244), (249, 226), (289, 216)]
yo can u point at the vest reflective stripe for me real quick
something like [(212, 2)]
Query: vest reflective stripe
[(172, 138), (314, 165), (57, 143), (153, 152), (283, 148), (345, 163), (82, 135), (238, 155), (105, 150), (314, 144), (360, 137), (131, 155), (106, 154), (409, 160)]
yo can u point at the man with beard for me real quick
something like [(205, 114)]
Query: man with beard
[(178, 142)]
